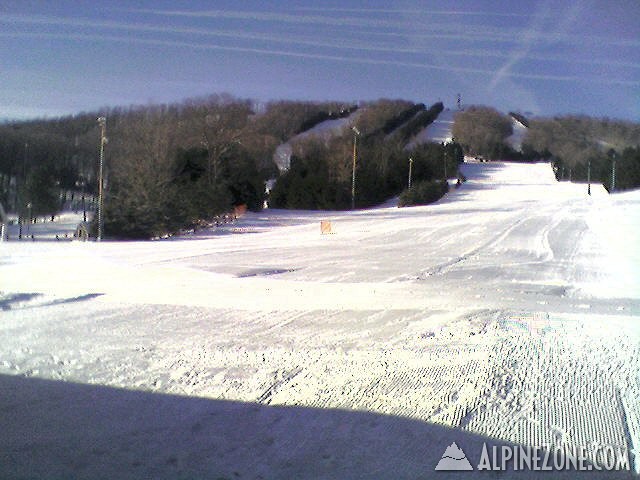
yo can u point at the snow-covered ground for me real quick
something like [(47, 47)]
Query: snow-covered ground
[(439, 131), (324, 130), (63, 227), (519, 131), (507, 312)]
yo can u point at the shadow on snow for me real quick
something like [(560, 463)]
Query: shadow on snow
[(55, 430)]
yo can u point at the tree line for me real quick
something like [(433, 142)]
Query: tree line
[(41, 158), (580, 147), (483, 131), (575, 143), (321, 173), (172, 167)]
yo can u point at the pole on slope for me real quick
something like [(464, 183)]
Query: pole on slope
[(84, 186), (4, 222), (102, 121), (613, 173), (410, 168), (23, 192), (445, 162), (589, 177), (356, 132)]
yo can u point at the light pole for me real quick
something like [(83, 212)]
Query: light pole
[(23, 192), (613, 171), (29, 218), (410, 168), (102, 121), (83, 185), (356, 132), (445, 161)]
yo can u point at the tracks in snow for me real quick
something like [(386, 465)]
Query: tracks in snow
[(447, 266)]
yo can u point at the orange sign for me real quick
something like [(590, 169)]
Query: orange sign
[(239, 210)]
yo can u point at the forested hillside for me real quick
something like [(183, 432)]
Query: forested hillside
[(170, 167), (482, 131), (575, 143), (322, 175), (580, 147)]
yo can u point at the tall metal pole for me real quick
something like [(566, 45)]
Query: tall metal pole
[(102, 121), (84, 185), (29, 217), (613, 173), (23, 191), (445, 162), (356, 132), (410, 168), (589, 177), (4, 222)]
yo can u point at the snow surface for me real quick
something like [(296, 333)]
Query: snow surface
[(63, 227), (438, 132), (324, 130), (519, 132), (507, 312)]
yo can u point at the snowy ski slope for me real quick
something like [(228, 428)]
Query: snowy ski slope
[(507, 312), (439, 131), (519, 131), (324, 130)]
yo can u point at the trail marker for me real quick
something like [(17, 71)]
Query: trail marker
[(325, 227)]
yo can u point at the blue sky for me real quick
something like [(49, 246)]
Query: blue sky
[(545, 57)]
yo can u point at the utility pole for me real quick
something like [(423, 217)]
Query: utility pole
[(29, 217), (356, 132), (83, 181), (444, 145), (102, 121), (23, 191), (4, 222), (613, 172), (410, 167)]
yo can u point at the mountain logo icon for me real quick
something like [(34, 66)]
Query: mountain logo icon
[(453, 458)]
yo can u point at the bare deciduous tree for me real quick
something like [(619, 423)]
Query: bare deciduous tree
[(217, 123), (482, 131)]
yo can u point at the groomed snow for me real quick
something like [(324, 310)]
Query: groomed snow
[(506, 312), (438, 132), (323, 131), (519, 131)]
